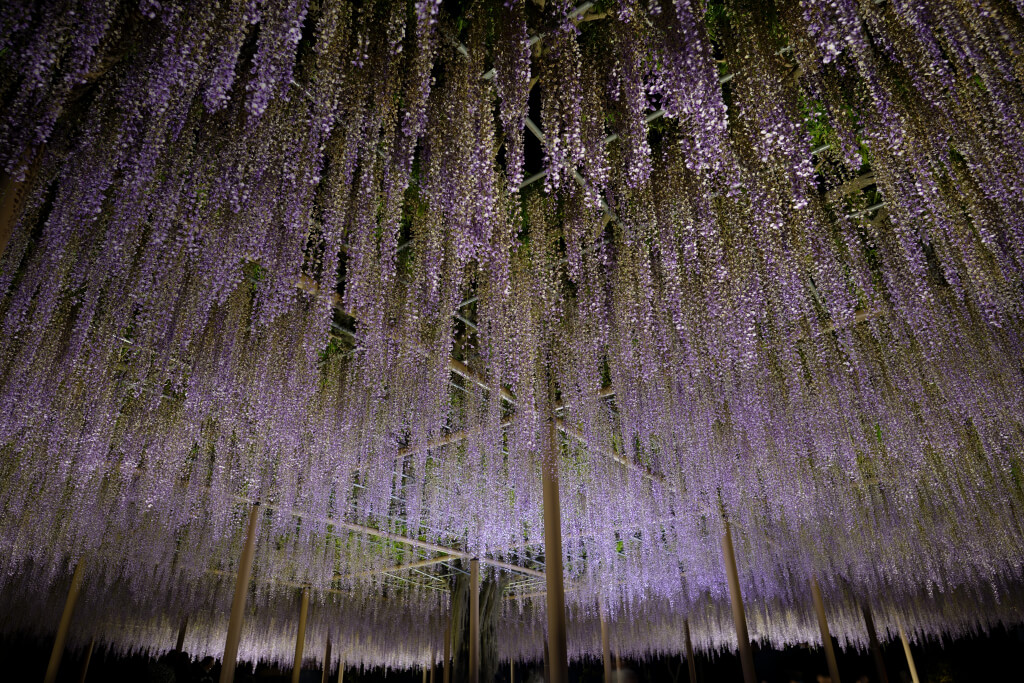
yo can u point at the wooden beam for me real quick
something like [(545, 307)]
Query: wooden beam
[(326, 677), (181, 636), (57, 653), (368, 530), (447, 667), (392, 537), (84, 671), (876, 649), (907, 652), (606, 392), (859, 316), (300, 638), (826, 636), (690, 663), (461, 369), (447, 439), (578, 435), (525, 596), (738, 616), (474, 621), (410, 565), (606, 650), (415, 542), (557, 650), (228, 662), (514, 567)]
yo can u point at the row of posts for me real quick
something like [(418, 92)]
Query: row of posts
[(556, 655), (229, 661)]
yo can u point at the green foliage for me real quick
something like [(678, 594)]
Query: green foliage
[(814, 120), (716, 16), (253, 271), (334, 348)]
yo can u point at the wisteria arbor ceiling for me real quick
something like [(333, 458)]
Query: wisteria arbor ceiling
[(758, 262)]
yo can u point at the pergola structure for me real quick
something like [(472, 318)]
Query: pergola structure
[(680, 323)]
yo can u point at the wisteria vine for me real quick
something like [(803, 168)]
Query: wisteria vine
[(297, 251)]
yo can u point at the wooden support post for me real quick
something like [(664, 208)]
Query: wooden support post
[(326, 678), (85, 662), (558, 656), (65, 623), (181, 636), (906, 651), (606, 650), (738, 616), (690, 663), (876, 649), (433, 666), (341, 671), (511, 670), (474, 621), (227, 670), (447, 665), (826, 636), (424, 673), (300, 638)]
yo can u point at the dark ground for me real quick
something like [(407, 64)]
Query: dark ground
[(996, 658)]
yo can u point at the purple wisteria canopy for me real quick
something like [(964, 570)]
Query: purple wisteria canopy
[(753, 261)]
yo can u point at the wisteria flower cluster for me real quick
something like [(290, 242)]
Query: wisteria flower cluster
[(300, 252)]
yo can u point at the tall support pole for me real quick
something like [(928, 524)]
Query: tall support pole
[(326, 678), (906, 651), (227, 670), (558, 656), (65, 623), (433, 666), (300, 638), (738, 615), (424, 673), (474, 621), (690, 663), (876, 649), (511, 671), (85, 662), (341, 671), (181, 636), (447, 666), (606, 650), (826, 636)]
